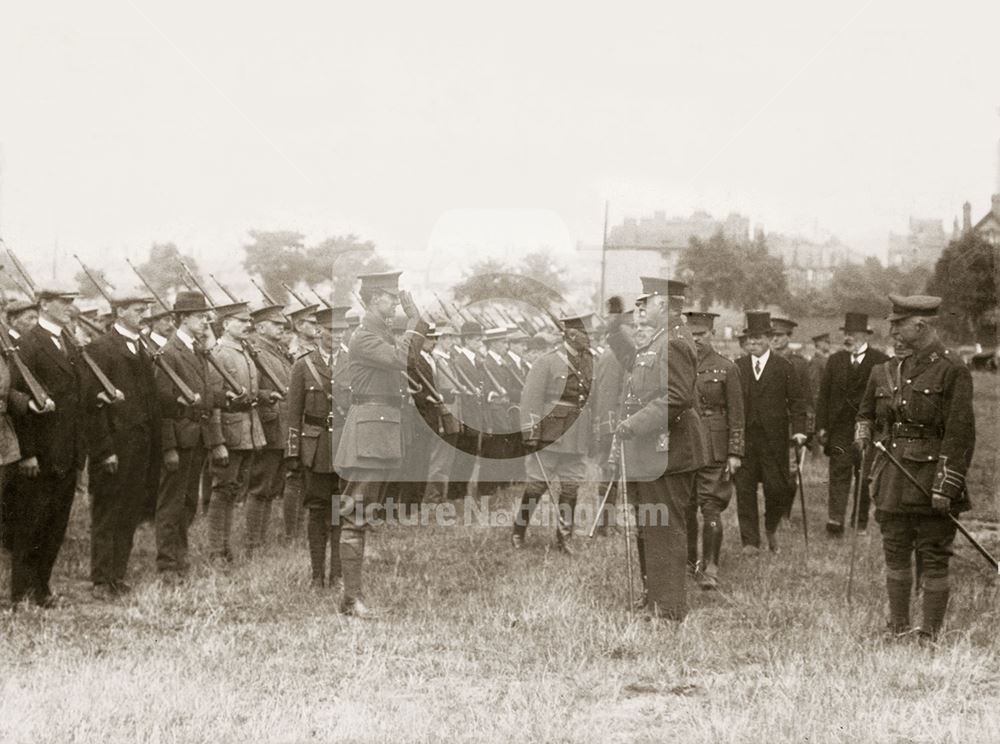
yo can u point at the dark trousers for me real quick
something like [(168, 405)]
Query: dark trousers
[(267, 481), (462, 467), (39, 514), (665, 545), (176, 507), (843, 466), (117, 505), (323, 524), (767, 465)]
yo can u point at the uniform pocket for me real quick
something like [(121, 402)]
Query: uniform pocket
[(232, 429), (926, 404), (378, 433)]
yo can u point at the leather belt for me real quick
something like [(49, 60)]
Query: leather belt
[(197, 414), (385, 400), (904, 430), (329, 420)]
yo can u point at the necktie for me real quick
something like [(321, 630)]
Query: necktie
[(58, 343), (756, 367), (855, 359)]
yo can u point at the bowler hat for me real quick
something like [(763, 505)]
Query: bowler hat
[(189, 301)]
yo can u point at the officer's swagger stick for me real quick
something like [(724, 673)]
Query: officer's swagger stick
[(961, 527)]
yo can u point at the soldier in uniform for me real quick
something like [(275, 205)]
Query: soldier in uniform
[(371, 446), (773, 403), (781, 336), (318, 399), (661, 434), (187, 434), (841, 388), (720, 403), (445, 419), (556, 421), (267, 473), (239, 424), (124, 442), (306, 332), (919, 406)]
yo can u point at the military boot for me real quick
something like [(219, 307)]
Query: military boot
[(711, 545), (317, 531), (566, 511), (523, 508), (898, 584), (691, 520), (935, 605)]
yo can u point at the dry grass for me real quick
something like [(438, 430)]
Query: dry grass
[(482, 644)]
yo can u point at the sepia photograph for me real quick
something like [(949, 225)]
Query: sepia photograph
[(467, 372)]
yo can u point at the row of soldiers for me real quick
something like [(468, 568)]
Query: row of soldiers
[(398, 410)]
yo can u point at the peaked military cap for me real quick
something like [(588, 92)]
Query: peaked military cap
[(189, 301), (269, 312), (758, 324), (386, 281), (236, 310), (654, 285), (303, 313), (903, 307), (338, 317), (855, 323), (579, 322), (783, 325), (700, 321)]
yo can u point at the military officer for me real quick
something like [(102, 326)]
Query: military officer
[(318, 398), (720, 403), (187, 434), (124, 444), (919, 406), (841, 388), (661, 431), (556, 422), (371, 446), (267, 473), (305, 334), (238, 423)]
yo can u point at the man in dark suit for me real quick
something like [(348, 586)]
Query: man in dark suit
[(470, 440), (186, 434), (773, 399), (840, 392), (124, 446), (52, 449)]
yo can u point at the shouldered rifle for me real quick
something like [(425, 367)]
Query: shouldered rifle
[(21, 270), (38, 392), (263, 364), (320, 297), (267, 298), (228, 380), (299, 298)]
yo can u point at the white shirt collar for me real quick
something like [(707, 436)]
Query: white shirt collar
[(514, 356), (496, 357), (860, 352), (185, 339), (51, 327), (157, 338), (471, 355), (130, 335), (761, 360), (15, 334)]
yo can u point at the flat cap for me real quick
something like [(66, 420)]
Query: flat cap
[(914, 305), (16, 307), (386, 281), (55, 292)]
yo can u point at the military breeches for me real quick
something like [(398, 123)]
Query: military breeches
[(930, 538), (176, 507), (661, 517), (362, 495), (321, 490), (117, 504), (267, 475)]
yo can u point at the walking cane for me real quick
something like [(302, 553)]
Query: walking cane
[(800, 458), (920, 487), (628, 511), (612, 460), (854, 524)]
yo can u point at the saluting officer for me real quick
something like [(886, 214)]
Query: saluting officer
[(267, 473), (371, 446), (720, 403), (919, 406), (124, 444), (841, 389), (239, 424), (662, 433), (556, 422), (318, 398)]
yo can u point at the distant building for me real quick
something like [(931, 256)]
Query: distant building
[(810, 263), (922, 246), (988, 227), (652, 246)]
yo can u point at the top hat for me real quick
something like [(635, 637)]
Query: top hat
[(758, 323), (856, 323)]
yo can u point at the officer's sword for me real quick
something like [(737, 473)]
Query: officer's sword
[(855, 512), (920, 487)]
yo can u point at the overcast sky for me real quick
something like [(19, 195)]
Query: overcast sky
[(128, 121)]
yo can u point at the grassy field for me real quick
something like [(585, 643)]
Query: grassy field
[(478, 643)]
